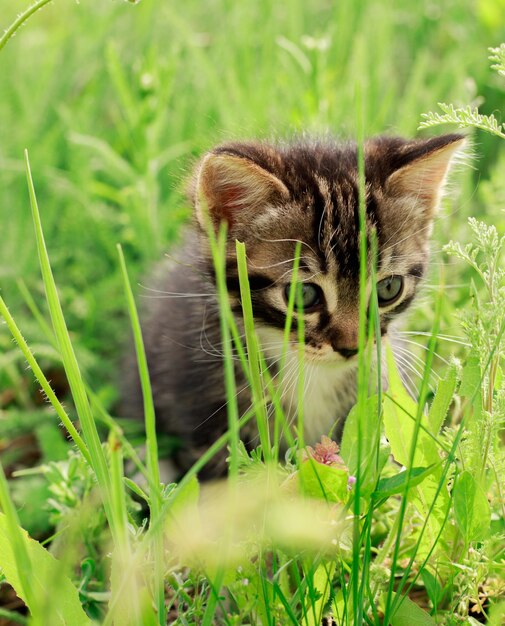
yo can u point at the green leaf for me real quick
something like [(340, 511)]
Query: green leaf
[(362, 430), (471, 508), (64, 596), (443, 399), (323, 578), (410, 614), (497, 614), (185, 496), (471, 378), (396, 484), (468, 117), (433, 587), (400, 413), (324, 481), (498, 56)]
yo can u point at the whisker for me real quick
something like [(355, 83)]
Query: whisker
[(420, 345), (289, 272), (410, 355), (408, 364), (241, 390), (173, 294), (266, 267), (303, 243), (450, 338), (404, 373)]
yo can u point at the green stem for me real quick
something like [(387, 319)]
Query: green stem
[(20, 20)]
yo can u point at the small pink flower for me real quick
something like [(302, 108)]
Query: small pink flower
[(351, 481), (326, 452)]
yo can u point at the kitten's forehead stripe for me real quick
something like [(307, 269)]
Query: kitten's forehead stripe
[(345, 243), (318, 201)]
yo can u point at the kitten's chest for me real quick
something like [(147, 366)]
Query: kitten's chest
[(329, 392)]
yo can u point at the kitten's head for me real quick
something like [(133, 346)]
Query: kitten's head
[(273, 196)]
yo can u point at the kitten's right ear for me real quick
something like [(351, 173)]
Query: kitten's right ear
[(422, 179), (234, 189)]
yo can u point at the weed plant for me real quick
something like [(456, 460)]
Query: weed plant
[(405, 523)]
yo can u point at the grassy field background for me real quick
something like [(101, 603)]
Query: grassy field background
[(115, 101)]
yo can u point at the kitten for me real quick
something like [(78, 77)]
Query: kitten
[(273, 196)]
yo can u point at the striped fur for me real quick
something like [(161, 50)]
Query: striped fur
[(273, 196)]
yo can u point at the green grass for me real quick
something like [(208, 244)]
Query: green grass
[(113, 102)]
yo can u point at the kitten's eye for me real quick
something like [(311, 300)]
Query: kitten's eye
[(311, 295), (389, 289)]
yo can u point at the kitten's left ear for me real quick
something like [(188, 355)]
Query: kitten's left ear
[(234, 189), (423, 177)]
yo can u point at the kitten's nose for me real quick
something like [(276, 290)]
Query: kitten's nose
[(347, 352), (344, 339)]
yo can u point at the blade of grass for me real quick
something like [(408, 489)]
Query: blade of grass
[(117, 492), (253, 356), (218, 250), (149, 415), (98, 409), (300, 327), (102, 416), (77, 387), (215, 599), (287, 607), (124, 603), (151, 442), (280, 417), (356, 589), (257, 385), (373, 332), (44, 383)]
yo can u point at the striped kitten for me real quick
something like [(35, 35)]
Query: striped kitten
[(273, 196)]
